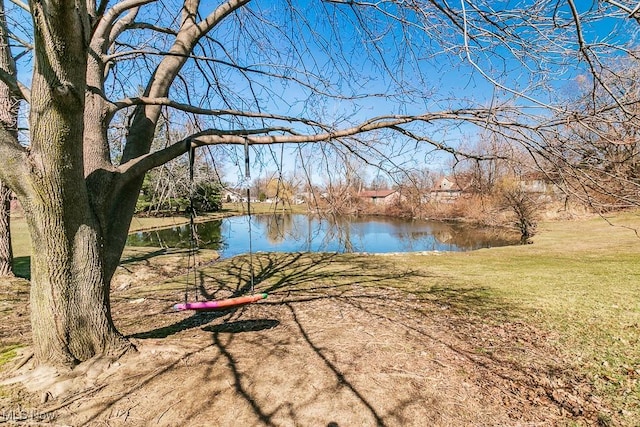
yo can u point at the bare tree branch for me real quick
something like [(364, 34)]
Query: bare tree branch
[(152, 27), (122, 24), (17, 89), (105, 24), (137, 166), (189, 108), (22, 5)]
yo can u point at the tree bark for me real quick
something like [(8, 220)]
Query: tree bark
[(70, 308), (9, 106), (71, 314), (6, 254)]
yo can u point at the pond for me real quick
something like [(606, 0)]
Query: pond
[(307, 233)]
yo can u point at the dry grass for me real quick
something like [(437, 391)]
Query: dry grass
[(544, 333), (579, 279)]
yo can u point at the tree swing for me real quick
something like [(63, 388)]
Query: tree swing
[(223, 304)]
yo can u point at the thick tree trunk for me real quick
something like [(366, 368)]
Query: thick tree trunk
[(71, 316), (70, 309), (9, 107), (6, 254)]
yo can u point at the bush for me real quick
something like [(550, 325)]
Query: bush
[(207, 197)]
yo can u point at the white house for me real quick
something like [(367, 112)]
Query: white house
[(446, 190), (379, 197)]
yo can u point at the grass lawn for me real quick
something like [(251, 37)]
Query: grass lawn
[(579, 280)]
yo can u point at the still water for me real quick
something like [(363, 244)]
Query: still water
[(306, 233)]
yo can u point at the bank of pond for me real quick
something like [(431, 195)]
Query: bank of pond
[(311, 233)]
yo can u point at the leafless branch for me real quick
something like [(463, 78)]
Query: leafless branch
[(17, 89), (22, 5), (105, 24), (152, 27), (121, 24)]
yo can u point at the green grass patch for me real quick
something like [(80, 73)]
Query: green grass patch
[(580, 279), (8, 353)]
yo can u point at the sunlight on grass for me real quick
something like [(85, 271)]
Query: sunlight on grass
[(8, 353), (20, 240), (579, 279)]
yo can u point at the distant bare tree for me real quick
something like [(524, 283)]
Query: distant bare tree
[(524, 205), (344, 181), (502, 158), (598, 155), (414, 187)]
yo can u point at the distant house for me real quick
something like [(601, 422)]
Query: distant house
[(233, 196), (536, 182), (448, 189), (379, 197)]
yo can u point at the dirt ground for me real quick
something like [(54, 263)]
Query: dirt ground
[(347, 355)]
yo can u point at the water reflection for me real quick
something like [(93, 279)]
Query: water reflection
[(306, 233), (208, 235)]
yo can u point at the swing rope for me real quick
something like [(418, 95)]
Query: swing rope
[(193, 247), (193, 240), (247, 176)]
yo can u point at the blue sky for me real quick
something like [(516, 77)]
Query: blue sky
[(433, 64), (451, 79), (330, 47)]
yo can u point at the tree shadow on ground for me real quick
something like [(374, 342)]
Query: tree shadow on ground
[(292, 276), (298, 273), (511, 355), (488, 334), (371, 303), (298, 279), (242, 380), (340, 377)]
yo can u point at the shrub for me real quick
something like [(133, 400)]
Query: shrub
[(207, 197)]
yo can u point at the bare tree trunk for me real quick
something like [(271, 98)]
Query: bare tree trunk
[(70, 309), (71, 314), (6, 254), (9, 121)]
